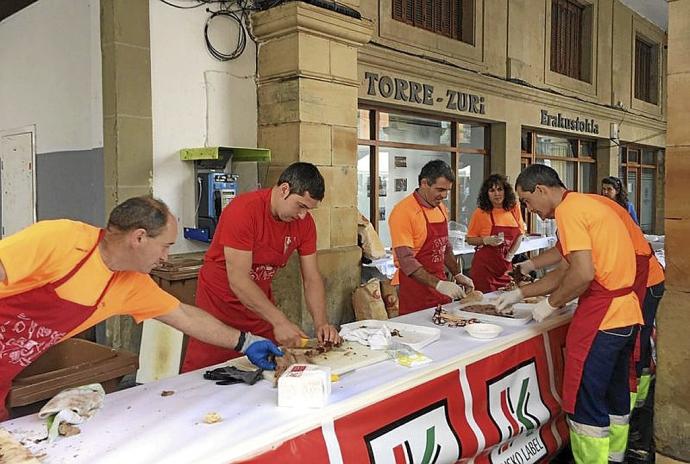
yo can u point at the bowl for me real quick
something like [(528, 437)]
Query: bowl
[(484, 330)]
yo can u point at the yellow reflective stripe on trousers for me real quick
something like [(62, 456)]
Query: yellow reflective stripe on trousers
[(618, 437), (643, 390), (589, 450), (633, 399)]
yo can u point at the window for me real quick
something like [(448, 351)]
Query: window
[(646, 71), (574, 159), (393, 147), (450, 18), (571, 25), (639, 172)]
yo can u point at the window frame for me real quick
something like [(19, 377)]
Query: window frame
[(455, 150), (638, 166), (530, 157), (430, 16), (646, 91)]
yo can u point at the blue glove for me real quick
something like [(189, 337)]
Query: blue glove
[(259, 350)]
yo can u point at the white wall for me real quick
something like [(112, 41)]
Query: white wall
[(50, 74), (197, 101)]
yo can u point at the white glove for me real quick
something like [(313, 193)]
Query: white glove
[(492, 240), (450, 289), (507, 299), (526, 267), (542, 310), (462, 279)]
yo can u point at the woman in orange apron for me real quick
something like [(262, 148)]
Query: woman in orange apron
[(496, 230), (33, 321)]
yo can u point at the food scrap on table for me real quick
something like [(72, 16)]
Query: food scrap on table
[(212, 418)]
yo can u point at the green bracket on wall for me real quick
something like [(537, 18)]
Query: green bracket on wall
[(218, 157)]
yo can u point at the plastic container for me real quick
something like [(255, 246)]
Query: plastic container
[(484, 330), (71, 363)]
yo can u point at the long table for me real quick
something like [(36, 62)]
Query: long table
[(483, 400)]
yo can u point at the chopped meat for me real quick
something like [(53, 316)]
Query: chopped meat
[(441, 317), (517, 278), (487, 309)]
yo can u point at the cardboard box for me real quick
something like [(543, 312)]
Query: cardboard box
[(304, 386)]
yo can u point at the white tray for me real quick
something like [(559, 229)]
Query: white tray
[(414, 336), (522, 313)]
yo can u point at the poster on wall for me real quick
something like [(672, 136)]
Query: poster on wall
[(383, 186), (382, 213), (401, 185), (400, 161)]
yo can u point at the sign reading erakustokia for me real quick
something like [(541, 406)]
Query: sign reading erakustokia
[(560, 121)]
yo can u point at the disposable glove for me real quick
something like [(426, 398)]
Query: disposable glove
[(492, 240), (542, 310), (508, 299), (258, 350), (229, 374), (462, 279), (450, 289)]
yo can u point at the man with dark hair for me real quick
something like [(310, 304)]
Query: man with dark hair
[(419, 231), (600, 268), (256, 234), (60, 277), (302, 178)]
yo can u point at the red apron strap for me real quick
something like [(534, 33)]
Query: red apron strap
[(76, 268)]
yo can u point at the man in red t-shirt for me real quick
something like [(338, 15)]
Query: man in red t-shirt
[(256, 234)]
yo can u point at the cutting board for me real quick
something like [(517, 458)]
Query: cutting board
[(347, 357)]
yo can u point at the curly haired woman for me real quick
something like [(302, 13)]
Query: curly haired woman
[(496, 229)]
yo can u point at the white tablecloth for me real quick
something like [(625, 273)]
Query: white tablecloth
[(138, 425)]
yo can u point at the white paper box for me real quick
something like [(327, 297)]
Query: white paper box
[(304, 386)]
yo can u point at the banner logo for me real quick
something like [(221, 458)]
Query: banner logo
[(518, 411), (425, 437)]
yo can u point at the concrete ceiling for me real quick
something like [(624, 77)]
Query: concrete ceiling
[(655, 11), (10, 7)]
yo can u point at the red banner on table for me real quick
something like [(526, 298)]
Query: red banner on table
[(503, 408)]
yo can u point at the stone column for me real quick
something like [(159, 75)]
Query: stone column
[(672, 405), (307, 92), (607, 160), (127, 122), (505, 149)]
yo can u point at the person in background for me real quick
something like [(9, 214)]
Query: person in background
[(256, 234), (612, 187), (61, 277), (496, 229), (419, 232), (599, 268)]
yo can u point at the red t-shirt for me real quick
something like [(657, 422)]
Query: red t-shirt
[(247, 224)]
